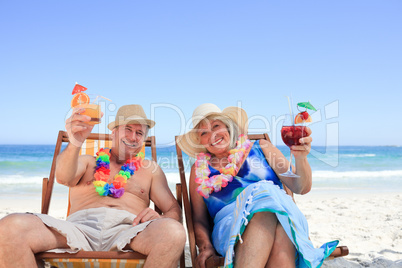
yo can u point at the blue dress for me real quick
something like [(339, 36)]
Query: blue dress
[(256, 188)]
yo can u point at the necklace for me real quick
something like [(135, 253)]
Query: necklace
[(217, 182), (102, 172)]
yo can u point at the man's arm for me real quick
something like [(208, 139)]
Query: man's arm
[(70, 167), (162, 196)]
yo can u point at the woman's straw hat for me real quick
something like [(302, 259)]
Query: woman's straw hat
[(189, 142), (131, 114)]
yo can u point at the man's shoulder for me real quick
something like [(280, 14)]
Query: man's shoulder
[(149, 164), (87, 159), (153, 169)]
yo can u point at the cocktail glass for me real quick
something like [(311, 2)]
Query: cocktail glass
[(93, 111), (291, 134)]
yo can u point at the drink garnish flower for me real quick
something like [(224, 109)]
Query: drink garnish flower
[(304, 116)]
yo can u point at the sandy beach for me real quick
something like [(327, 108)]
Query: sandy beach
[(368, 223)]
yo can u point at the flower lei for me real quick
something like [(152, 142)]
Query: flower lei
[(217, 182), (116, 188)]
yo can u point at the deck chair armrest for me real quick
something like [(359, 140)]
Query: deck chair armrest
[(215, 261), (340, 251), (91, 255)]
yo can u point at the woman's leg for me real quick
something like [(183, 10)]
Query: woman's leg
[(258, 240), (283, 251)]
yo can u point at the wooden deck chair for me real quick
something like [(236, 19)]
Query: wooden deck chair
[(100, 259), (219, 261)]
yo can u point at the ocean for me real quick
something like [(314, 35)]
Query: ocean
[(343, 168)]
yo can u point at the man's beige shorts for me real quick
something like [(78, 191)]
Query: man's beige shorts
[(96, 229)]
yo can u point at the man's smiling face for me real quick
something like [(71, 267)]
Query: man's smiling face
[(128, 139)]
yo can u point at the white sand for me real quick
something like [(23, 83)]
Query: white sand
[(369, 224)]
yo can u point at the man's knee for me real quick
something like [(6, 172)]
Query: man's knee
[(173, 231), (13, 222), (13, 225)]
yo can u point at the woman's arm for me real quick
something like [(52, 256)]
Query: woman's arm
[(280, 164), (303, 168), (202, 228)]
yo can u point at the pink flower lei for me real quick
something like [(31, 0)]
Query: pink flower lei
[(217, 182), (116, 188)]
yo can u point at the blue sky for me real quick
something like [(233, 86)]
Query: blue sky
[(171, 56)]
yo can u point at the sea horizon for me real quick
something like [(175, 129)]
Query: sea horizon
[(163, 146), (341, 168)]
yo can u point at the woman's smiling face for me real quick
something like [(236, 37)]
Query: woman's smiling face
[(214, 136)]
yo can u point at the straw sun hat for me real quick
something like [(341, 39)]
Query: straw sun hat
[(131, 114), (189, 142)]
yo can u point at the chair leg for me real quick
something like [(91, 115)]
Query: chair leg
[(44, 190), (182, 260)]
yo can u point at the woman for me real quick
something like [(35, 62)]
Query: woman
[(234, 181)]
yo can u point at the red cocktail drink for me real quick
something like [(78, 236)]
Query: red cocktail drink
[(292, 134)]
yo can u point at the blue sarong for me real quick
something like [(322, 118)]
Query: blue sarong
[(231, 221)]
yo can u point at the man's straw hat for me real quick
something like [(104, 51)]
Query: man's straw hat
[(131, 114), (189, 142)]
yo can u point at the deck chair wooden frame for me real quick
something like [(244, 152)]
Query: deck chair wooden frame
[(218, 260), (101, 256)]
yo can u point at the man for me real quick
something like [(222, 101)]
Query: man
[(100, 219)]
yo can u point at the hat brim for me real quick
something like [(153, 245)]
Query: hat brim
[(141, 121), (189, 143)]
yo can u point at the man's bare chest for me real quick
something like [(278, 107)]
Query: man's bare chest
[(138, 184)]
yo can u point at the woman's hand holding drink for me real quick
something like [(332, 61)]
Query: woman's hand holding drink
[(296, 135)]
